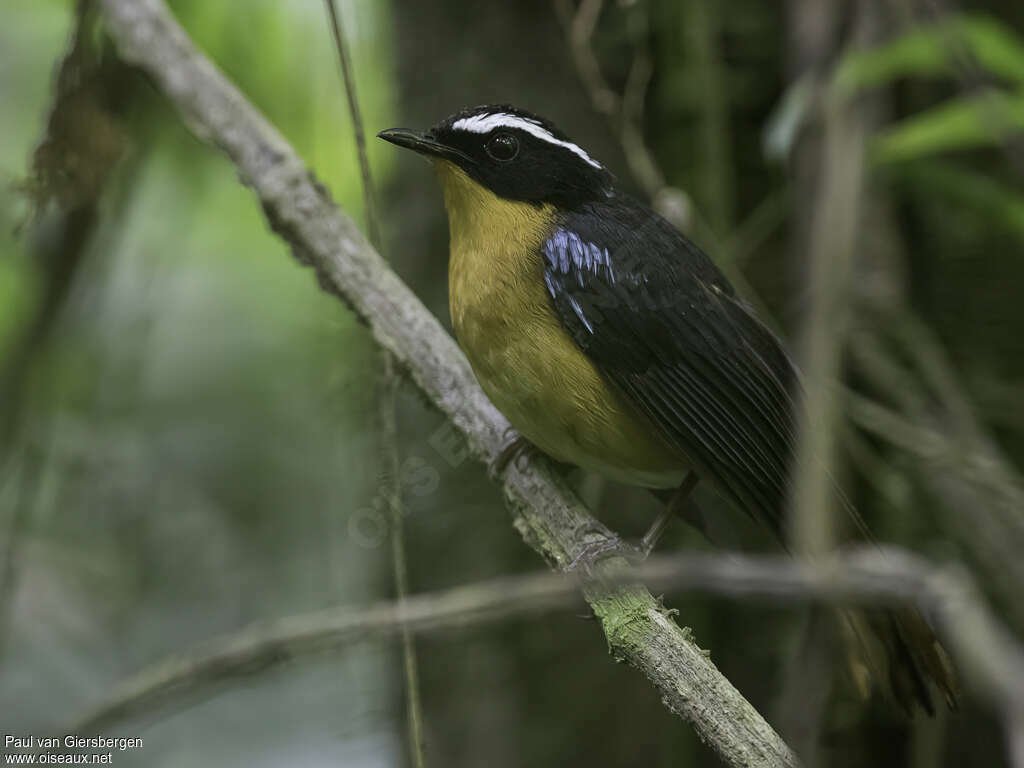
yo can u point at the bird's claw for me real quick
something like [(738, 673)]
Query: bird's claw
[(516, 448), (607, 546)]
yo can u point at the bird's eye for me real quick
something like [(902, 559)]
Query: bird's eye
[(503, 147)]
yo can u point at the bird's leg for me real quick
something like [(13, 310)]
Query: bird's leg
[(516, 447), (678, 504)]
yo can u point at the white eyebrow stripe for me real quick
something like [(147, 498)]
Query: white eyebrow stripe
[(487, 123)]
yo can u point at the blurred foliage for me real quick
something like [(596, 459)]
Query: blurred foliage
[(177, 452), (938, 49), (965, 123), (191, 442), (947, 49)]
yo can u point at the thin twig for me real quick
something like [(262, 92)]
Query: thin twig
[(387, 392), (625, 116), (832, 245), (811, 520), (369, 198), (624, 113), (761, 223), (389, 436), (544, 510), (983, 647), (701, 31), (959, 464)]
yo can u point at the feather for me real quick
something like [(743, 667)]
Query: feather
[(663, 326)]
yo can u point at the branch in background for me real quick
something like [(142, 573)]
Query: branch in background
[(625, 116), (828, 177), (959, 464), (624, 113), (832, 245), (835, 258), (70, 169), (546, 513), (386, 393), (348, 77), (701, 30), (984, 648), (755, 230)]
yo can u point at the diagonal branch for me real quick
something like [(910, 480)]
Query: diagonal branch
[(546, 513)]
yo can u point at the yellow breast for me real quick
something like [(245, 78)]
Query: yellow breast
[(524, 360)]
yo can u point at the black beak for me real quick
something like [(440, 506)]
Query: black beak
[(422, 143)]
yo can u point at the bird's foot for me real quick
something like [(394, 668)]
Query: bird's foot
[(635, 553), (606, 547), (516, 448)]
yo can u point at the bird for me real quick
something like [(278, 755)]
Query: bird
[(611, 341)]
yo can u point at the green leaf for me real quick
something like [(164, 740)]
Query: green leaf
[(937, 50), (998, 49), (969, 122)]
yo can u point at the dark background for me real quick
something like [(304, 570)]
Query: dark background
[(188, 435)]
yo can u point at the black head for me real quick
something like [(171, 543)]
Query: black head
[(513, 153)]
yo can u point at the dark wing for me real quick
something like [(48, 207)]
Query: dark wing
[(664, 326)]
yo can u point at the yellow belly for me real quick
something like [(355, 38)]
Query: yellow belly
[(525, 362)]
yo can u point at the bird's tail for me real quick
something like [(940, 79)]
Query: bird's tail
[(894, 651)]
